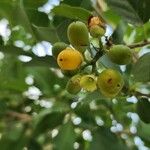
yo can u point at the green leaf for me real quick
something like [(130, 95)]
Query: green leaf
[(65, 138), (135, 11), (45, 79), (37, 18), (141, 69), (12, 75), (108, 63), (47, 61), (1, 40), (76, 13), (80, 3), (14, 135), (34, 4), (119, 32), (103, 139), (13, 50), (143, 109), (45, 34), (143, 130), (48, 119)]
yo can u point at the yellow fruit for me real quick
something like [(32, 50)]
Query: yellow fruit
[(88, 83), (120, 54), (110, 82), (78, 35), (73, 85), (96, 31), (58, 47), (69, 59)]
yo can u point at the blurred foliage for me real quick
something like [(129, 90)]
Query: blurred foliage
[(36, 112)]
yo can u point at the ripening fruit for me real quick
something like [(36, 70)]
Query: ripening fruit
[(143, 109), (110, 82), (73, 85), (120, 54), (69, 59), (95, 21), (88, 83), (58, 47), (96, 31), (78, 35)]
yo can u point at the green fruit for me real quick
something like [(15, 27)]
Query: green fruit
[(96, 31), (143, 109), (73, 85), (120, 54), (110, 82), (78, 34), (58, 47), (88, 83)]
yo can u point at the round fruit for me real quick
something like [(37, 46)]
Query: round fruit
[(58, 47), (78, 34), (73, 85), (95, 21), (69, 59), (120, 54), (143, 109), (96, 31), (110, 82), (88, 83)]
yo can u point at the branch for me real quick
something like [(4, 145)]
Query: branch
[(93, 61), (21, 116), (144, 43), (136, 93)]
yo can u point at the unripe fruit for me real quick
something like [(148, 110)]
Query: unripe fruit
[(96, 31), (78, 34), (69, 59), (88, 83), (120, 54), (73, 85), (143, 109), (58, 47), (110, 82)]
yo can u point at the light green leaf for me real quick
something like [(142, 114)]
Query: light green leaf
[(136, 11), (65, 138), (103, 139), (76, 13), (48, 119), (45, 34), (141, 69)]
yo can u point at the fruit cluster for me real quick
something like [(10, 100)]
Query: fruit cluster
[(72, 59)]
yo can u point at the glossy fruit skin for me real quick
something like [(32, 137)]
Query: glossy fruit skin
[(88, 83), (69, 59), (58, 47), (110, 82), (73, 85), (143, 109), (78, 35), (96, 31), (120, 54)]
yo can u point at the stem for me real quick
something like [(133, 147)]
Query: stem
[(93, 61), (136, 93), (144, 43), (20, 116)]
